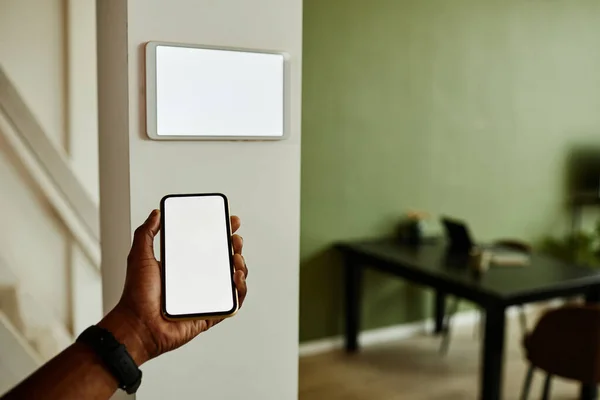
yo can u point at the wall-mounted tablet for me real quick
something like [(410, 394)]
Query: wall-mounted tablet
[(209, 93)]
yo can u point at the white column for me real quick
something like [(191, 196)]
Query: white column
[(254, 355)]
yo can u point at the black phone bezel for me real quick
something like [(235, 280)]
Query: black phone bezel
[(163, 260)]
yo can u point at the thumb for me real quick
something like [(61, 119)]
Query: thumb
[(143, 238)]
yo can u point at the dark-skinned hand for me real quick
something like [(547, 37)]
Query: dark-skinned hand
[(137, 319)]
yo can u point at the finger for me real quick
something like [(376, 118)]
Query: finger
[(238, 244), (204, 325), (239, 264), (143, 238), (235, 223), (212, 322), (242, 288)]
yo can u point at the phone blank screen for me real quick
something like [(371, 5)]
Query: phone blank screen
[(197, 256)]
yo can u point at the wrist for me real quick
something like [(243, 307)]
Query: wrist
[(131, 332)]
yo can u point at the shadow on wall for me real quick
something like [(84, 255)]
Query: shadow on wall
[(321, 276), (386, 300)]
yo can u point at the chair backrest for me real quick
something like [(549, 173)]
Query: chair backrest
[(566, 342)]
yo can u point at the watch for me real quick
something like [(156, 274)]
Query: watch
[(115, 357)]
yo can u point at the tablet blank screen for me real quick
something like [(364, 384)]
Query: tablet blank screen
[(208, 92)]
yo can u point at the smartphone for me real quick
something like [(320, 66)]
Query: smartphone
[(197, 257)]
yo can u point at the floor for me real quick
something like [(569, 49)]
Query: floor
[(413, 369)]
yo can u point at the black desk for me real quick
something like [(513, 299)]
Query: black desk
[(499, 288)]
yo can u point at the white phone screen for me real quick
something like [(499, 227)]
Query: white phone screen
[(196, 256)]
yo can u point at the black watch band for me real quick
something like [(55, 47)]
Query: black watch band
[(115, 357)]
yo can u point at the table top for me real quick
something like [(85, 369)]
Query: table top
[(431, 264)]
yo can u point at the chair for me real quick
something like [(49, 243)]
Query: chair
[(511, 244), (565, 343)]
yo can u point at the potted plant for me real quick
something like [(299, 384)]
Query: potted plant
[(411, 228), (579, 247)]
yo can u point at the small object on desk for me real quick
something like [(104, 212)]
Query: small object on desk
[(480, 261), (413, 230), (509, 259)]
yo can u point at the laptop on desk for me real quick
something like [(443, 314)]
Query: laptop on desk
[(457, 233), (460, 241)]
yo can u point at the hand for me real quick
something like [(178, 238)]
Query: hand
[(137, 319)]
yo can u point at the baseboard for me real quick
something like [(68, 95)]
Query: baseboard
[(391, 333)]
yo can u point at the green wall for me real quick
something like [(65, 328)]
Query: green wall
[(459, 107)]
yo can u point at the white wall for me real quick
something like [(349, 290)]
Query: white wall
[(18, 359), (254, 355), (32, 240), (47, 49), (32, 51)]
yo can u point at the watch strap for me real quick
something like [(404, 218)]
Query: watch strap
[(115, 357)]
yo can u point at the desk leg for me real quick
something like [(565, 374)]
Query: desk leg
[(590, 392), (353, 280), (493, 354), (440, 309)]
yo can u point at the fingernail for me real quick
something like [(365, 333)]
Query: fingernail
[(153, 213)]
